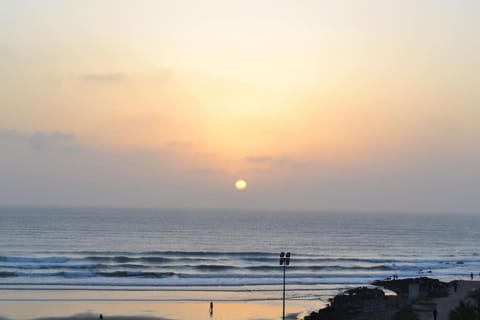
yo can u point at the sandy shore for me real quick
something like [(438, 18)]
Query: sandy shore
[(141, 305), (147, 311), (87, 305)]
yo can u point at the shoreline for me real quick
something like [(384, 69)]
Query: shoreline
[(37, 302), (85, 304), (44, 303)]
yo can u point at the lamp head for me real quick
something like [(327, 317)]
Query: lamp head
[(287, 259)]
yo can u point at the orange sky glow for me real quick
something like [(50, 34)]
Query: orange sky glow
[(263, 90)]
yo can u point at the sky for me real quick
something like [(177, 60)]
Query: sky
[(319, 105)]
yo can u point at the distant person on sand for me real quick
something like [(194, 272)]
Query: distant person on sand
[(100, 316), (471, 275), (435, 313), (211, 308)]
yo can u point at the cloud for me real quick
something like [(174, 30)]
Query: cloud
[(147, 119), (8, 134), (203, 171), (67, 171), (4, 49), (259, 159), (71, 172), (160, 76), (40, 140), (178, 144), (269, 160), (106, 77), (6, 53)]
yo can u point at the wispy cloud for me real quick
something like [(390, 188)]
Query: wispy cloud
[(160, 76), (269, 160), (4, 49), (9, 134), (259, 159), (203, 171), (147, 119), (59, 168), (39, 140), (105, 77), (178, 144)]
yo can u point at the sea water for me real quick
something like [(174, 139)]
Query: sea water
[(231, 254)]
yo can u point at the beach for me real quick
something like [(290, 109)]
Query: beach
[(238, 160), (35, 303), (47, 303), (162, 263)]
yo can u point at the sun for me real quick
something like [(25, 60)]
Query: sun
[(240, 185)]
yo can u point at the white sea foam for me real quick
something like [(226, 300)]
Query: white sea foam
[(184, 249)]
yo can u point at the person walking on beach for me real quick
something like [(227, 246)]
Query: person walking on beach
[(211, 308), (435, 313), (471, 275)]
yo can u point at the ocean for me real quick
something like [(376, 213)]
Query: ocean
[(228, 255)]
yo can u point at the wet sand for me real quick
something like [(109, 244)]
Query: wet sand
[(141, 305)]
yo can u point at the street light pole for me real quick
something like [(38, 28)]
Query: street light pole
[(284, 270), (284, 261)]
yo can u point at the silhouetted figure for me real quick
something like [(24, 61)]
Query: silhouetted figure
[(471, 275), (435, 313), (455, 285), (100, 316), (211, 308)]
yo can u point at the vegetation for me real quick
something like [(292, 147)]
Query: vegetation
[(357, 304), (464, 311), (468, 309), (406, 313)]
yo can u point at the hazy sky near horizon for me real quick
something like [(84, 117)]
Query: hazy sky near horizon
[(323, 105)]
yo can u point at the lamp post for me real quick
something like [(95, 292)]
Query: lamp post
[(284, 261)]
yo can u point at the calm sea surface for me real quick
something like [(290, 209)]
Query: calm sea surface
[(233, 251)]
